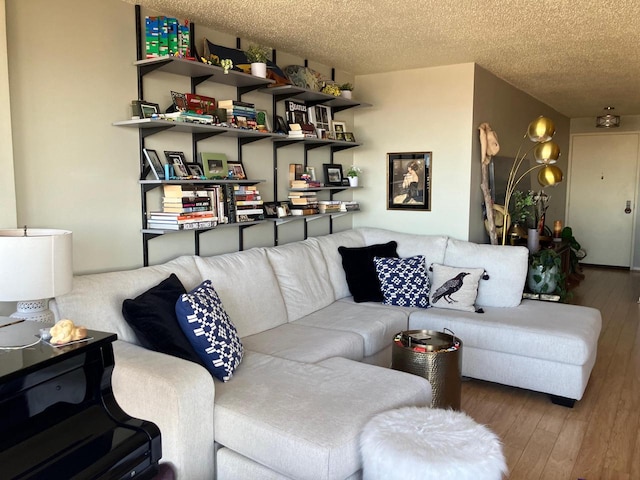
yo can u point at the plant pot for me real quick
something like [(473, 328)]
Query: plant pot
[(353, 181), (346, 94), (542, 280), (533, 240), (259, 70)]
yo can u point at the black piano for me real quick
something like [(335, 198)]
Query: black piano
[(59, 418)]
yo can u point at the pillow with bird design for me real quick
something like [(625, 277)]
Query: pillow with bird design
[(455, 288), (404, 282)]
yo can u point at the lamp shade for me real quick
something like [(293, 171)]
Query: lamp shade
[(546, 152), (37, 265), (549, 175), (542, 129)]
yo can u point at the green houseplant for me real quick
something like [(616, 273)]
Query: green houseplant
[(545, 273), (346, 89), (520, 211), (353, 173), (257, 55)]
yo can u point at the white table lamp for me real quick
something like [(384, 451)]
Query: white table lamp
[(35, 265)]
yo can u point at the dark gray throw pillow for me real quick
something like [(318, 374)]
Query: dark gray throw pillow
[(360, 270), (152, 316)]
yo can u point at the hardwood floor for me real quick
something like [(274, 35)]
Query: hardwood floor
[(598, 439)]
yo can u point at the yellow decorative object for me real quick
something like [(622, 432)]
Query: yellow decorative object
[(549, 175), (547, 152), (541, 129)]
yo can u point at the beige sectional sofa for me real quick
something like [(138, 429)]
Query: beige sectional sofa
[(311, 375)]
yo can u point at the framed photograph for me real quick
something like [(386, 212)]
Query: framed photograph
[(320, 116), (341, 136), (284, 210), (262, 118), (332, 174), (154, 162), (409, 181), (177, 160), (148, 110), (235, 170), (194, 170), (214, 165), (270, 209), (179, 100), (338, 126), (281, 125), (349, 137)]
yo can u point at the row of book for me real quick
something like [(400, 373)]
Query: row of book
[(242, 114), (189, 207)]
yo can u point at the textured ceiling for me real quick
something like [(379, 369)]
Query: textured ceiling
[(576, 56)]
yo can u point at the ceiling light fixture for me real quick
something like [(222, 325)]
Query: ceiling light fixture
[(609, 120)]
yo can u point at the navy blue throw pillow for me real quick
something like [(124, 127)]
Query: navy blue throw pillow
[(152, 316), (360, 270), (404, 281)]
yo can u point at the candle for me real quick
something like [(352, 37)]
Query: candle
[(557, 229)]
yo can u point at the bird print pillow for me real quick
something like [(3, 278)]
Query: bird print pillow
[(454, 288)]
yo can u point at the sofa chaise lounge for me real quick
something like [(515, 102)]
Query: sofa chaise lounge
[(313, 371)]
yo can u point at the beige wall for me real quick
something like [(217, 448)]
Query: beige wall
[(418, 110), (8, 216)]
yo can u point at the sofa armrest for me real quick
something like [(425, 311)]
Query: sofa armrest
[(177, 396)]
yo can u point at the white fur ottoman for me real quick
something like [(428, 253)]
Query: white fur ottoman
[(426, 443)]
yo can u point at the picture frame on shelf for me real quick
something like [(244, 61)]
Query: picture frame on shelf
[(409, 181), (284, 210), (332, 174), (311, 171), (270, 209), (320, 116), (262, 118), (281, 125), (341, 136), (178, 161), (349, 137), (338, 126), (154, 162), (194, 169), (148, 110), (179, 101), (235, 170), (214, 165)]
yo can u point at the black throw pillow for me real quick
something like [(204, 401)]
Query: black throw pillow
[(361, 271), (152, 316)]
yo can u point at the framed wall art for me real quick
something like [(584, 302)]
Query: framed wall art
[(235, 170), (194, 169), (178, 161), (409, 181), (214, 165), (332, 174)]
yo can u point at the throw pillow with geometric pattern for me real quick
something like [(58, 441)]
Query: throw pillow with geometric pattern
[(210, 331), (404, 281)]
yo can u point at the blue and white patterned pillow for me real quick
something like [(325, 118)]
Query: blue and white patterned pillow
[(209, 330), (404, 281)]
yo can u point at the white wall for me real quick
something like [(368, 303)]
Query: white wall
[(417, 110), (8, 216)]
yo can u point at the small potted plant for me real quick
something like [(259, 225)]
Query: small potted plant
[(257, 55), (352, 174), (345, 90), (545, 273)]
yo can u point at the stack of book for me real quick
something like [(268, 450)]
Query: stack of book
[(295, 131), (349, 206), (184, 207), (329, 206), (241, 114), (248, 203), (303, 203)]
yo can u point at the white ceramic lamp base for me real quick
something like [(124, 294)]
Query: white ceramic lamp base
[(35, 311)]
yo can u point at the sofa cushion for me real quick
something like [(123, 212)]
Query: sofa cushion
[(432, 247), (306, 344), (455, 288), (207, 326), (329, 246), (532, 329), (96, 299), (248, 288), (506, 267), (152, 315), (302, 276), (270, 400), (404, 281), (375, 323), (361, 271)]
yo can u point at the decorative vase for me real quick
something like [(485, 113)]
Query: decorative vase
[(516, 232), (541, 279), (345, 94), (259, 70), (533, 240), (353, 181)]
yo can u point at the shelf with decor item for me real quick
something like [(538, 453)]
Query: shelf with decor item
[(151, 126), (309, 218), (311, 97)]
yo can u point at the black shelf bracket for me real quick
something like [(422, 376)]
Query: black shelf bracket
[(195, 81), (147, 132), (203, 136)]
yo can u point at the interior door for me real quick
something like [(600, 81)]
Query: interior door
[(602, 196)]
